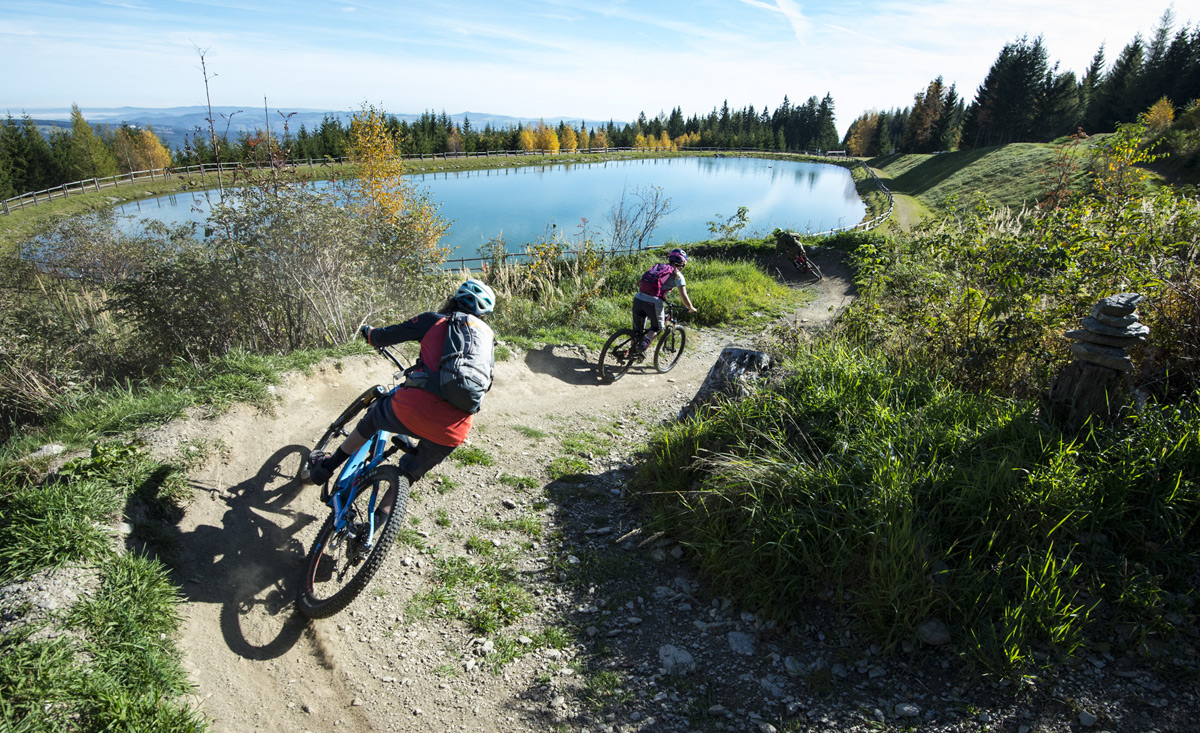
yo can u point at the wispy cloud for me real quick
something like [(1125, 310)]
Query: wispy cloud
[(801, 25)]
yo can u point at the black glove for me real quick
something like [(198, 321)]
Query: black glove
[(365, 332)]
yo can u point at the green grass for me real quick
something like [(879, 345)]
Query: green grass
[(469, 455), (119, 669), (852, 475), (519, 482), (566, 466), (239, 376), (530, 432), (725, 285), (1009, 175), (483, 591)]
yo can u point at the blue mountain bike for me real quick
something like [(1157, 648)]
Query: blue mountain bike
[(367, 500)]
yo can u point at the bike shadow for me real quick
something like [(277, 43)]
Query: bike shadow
[(250, 564), (570, 364)]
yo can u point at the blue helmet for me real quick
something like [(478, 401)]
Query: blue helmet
[(475, 297), (677, 257)]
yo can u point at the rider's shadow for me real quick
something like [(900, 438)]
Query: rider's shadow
[(569, 364), (252, 562)]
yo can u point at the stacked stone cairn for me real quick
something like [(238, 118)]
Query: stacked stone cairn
[(1112, 327), (1095, 384)]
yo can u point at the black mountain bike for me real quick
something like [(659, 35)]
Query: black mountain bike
[(622, 350)]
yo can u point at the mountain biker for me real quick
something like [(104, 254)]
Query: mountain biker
[(412, 411), (651, 306), (788, 244)]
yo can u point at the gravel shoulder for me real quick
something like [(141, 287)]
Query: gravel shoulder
[(642, 646)]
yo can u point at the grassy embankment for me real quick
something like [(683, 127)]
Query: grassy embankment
[(1014, 175)]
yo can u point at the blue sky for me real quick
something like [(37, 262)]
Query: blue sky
[(534, 58)]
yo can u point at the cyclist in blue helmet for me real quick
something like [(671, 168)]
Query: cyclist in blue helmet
[(650, 300), (410, 410)]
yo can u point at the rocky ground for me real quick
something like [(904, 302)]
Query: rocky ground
[(624, 635)]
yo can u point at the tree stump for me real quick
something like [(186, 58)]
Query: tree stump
[(732, 376)]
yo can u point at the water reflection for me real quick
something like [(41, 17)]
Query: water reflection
[(523, 203)]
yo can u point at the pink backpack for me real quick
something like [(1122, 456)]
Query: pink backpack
[(655, 278)]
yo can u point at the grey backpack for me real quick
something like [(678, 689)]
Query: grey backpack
[(465, 370)]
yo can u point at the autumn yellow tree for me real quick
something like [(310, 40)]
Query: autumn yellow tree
[(567, 140), (1159, 117), (863, 133), (545, 138), (664, 141), (639, 142), (139, 150), (383, 192), (599, 139), (582, 140), (527, 139)]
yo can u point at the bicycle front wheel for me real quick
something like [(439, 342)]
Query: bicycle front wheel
[(342, 562), (356, 408), (669, 348), (615, 357), (815, 270)]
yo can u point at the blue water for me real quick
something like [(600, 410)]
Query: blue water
[(522, 204)]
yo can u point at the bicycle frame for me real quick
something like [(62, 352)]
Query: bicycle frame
[(346, 488), (381, 446)]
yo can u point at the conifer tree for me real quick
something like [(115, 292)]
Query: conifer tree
[(82, 154)]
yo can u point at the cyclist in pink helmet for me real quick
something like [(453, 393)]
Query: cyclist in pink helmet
[(650, 299)]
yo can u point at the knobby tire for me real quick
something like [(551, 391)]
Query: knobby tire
[(611, 367), (333, 554), (670, 348)]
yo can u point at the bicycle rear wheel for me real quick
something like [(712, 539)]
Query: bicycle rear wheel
[(669, 348), (615, 357), (341, 563)]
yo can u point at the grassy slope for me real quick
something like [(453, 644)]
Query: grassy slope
[(1012, 175)]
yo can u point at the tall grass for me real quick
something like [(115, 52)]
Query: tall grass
[(584, 297), (915, 498)]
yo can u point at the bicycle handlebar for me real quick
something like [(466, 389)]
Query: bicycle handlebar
[(384, 351)]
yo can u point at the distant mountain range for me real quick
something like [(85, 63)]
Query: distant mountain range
[(174, 124)]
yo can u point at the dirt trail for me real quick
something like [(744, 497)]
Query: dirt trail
[(257, 665)]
